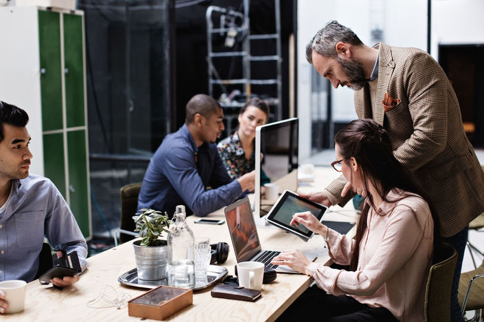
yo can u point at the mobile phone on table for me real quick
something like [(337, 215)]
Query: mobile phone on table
[(209, 221)]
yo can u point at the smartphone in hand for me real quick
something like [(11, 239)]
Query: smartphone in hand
[(67, 265)]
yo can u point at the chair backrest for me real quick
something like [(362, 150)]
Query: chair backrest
[(129, 205), (46, 260), (439, 285)]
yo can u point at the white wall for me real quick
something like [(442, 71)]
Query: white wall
[(312, 15), (404, 23), (456, 22)]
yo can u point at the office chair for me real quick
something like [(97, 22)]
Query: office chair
[(129, 205), (45, 260), (439, 285), (477, 224), (471, 291)]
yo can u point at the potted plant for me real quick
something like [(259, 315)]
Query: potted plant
[(152, 253)]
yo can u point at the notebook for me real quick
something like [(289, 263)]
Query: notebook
[(245, 240)]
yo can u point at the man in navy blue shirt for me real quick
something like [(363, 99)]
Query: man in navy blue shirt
[(187, 169)]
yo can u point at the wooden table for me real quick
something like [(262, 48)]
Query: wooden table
[(43, 303)]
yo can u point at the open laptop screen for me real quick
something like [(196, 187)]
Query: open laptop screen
[(242, 229)]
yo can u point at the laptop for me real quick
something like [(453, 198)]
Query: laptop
[(245, 240)]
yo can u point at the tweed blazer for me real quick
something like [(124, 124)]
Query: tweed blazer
[(427, 135)]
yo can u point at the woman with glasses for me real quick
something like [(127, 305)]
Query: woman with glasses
[(390, 256)]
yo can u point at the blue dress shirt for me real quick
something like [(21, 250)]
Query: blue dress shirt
[(179, 173), (34, 210)]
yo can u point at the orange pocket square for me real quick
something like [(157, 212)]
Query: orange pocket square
[(389, 102)]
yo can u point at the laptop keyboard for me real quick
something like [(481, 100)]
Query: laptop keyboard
[(266, 258)]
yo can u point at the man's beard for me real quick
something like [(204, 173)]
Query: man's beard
[(355, 72)]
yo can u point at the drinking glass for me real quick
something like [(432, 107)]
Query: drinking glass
[(202, 258)]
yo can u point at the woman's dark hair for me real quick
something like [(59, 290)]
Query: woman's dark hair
[(11, 115), (369, 143), (257, 102)]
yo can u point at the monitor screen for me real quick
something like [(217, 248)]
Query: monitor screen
[(276, 161)]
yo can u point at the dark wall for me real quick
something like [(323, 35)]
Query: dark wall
[(464, 66), (191, 47)]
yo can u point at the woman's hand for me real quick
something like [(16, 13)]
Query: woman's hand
[(308, 220), (295, 259)]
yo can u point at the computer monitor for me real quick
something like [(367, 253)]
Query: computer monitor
[(276, 159)]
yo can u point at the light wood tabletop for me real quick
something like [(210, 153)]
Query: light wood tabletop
[(44, 303)]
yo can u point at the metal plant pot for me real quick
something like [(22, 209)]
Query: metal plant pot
[(151, 261)]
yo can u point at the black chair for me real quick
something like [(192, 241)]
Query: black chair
[(129, 205), (46, 260)]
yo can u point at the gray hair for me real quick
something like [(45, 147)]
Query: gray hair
[(325, 40)]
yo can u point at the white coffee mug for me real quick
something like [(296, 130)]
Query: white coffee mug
[(14, 295), (271, 191), (250, 274)]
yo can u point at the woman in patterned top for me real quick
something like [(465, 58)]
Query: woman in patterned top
[(237, 150)]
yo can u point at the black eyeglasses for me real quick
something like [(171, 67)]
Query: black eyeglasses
[(337, 165)]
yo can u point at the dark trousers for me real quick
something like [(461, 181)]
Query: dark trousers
[(316, 304), (458, 241)]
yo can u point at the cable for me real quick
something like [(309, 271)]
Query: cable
[(109, 298)]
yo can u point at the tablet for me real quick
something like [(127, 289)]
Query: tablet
[(287, 205)]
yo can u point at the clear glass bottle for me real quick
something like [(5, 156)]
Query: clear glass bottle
[(181, 269)]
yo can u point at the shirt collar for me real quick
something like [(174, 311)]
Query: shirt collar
[(16, 184), (374, 73), (188, 135)]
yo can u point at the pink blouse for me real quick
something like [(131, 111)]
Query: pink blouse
[(395, 257)]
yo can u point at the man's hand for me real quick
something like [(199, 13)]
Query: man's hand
[(66, 280), (3, 303), (247, 181), (346, 188), (349, 187), (317, 196)]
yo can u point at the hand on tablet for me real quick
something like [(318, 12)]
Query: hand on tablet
[(307, 219)]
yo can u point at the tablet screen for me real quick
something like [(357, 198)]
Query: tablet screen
[(287, 205)]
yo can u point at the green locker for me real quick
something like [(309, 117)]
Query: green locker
[(61, 53), (43, 71), (50, 72), (54, 167)]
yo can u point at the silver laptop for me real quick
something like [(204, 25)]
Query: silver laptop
[(245, 240)]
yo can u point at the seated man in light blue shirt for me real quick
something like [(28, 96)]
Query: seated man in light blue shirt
[(187, 163), (31, 208)]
